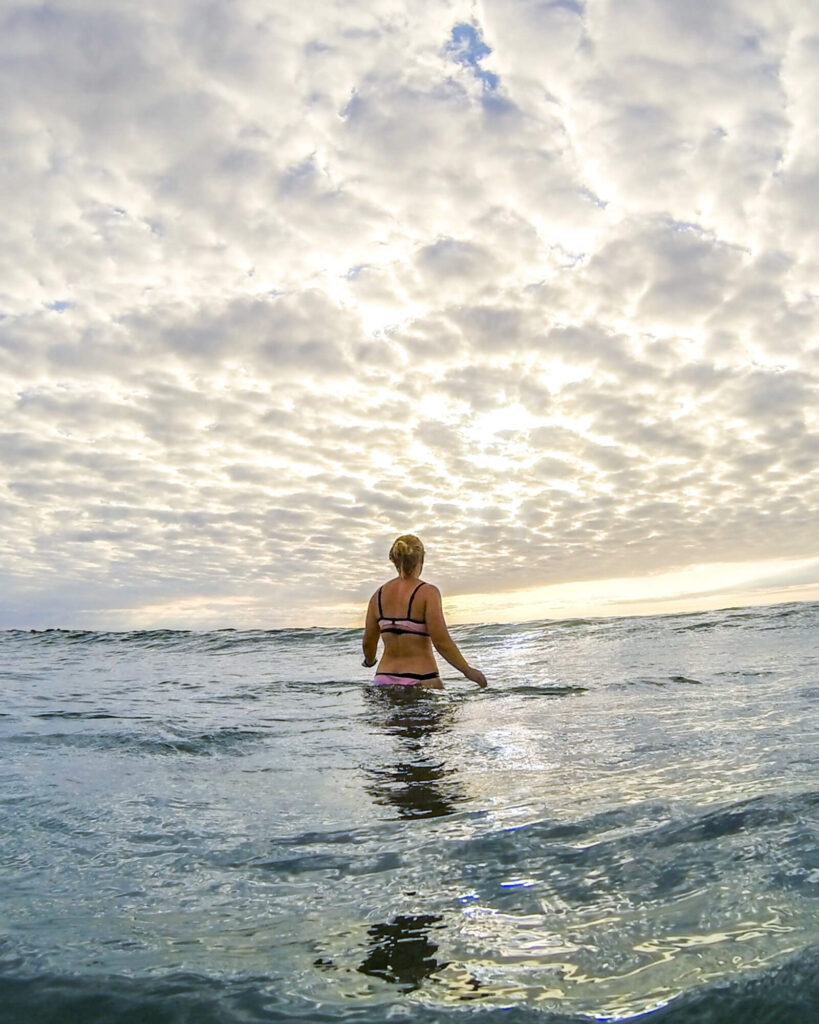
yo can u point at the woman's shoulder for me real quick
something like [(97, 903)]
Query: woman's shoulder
[(385, 588)]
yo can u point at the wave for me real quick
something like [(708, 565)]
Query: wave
[(779, 995), (201, 744), (227, 641), (676, 680), (532, 691), (645, 854), (742, 816), (648, 854)]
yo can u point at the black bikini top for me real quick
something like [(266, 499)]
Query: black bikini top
[(405, 625)]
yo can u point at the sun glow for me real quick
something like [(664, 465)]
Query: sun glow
[(486, 427), (696, 588)]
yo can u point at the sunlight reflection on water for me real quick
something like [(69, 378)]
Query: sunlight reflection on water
[(623, 817)]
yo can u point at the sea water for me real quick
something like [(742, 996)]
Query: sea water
[(232, 826)]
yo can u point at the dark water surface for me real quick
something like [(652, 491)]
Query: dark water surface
[(231, 827)]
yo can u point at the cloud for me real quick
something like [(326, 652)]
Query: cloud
[(533, 279)]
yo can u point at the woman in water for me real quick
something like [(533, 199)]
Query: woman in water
[(407, 614)]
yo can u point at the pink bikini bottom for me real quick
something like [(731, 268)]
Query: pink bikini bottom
[(402, 678)]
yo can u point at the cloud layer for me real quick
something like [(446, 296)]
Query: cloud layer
[(535, 280)]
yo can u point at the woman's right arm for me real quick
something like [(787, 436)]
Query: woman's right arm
[(443, 642), (369, 643)]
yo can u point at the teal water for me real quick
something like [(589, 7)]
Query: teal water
[(232, 826)]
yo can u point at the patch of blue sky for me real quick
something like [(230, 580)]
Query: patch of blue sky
[(298, 176), (594, 198), (467, 48), (683, 226), (573, 6), (59, 305)]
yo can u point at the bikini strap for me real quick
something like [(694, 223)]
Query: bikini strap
[(380, 609), (412, 595)]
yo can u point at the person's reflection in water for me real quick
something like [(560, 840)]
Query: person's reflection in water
[(416, 784), (402, 951)]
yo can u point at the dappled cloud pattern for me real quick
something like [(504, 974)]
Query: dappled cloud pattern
[(535, 280)]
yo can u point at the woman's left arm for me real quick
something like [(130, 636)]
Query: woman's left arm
[(371, 635)]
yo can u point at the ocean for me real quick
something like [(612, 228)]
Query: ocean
[(233, 827)]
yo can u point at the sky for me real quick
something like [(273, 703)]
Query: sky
[(533, 279)]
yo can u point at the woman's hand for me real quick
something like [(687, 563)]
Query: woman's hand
[(476, 676)]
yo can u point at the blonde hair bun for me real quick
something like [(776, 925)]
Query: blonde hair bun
[(406, 553)]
